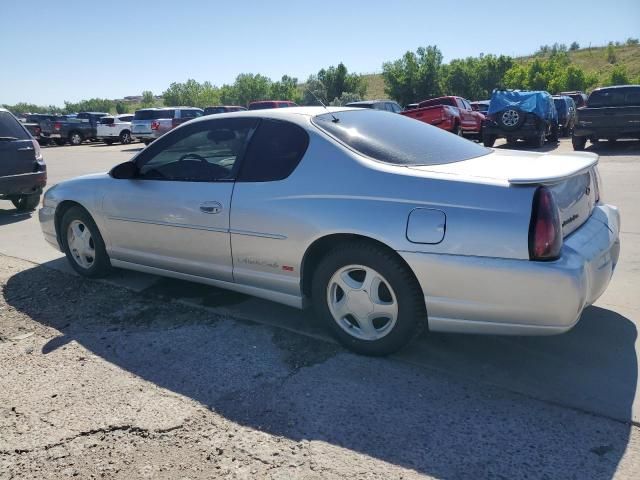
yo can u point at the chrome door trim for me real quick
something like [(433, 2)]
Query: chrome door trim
[(169, 224)]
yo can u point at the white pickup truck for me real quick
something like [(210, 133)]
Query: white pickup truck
[(115, 129)]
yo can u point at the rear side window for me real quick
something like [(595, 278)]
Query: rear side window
[(607, 98), (153, 114), (11, 128), (397, 139), (107, 120), (190, 113), (128, 118), (274, 152)]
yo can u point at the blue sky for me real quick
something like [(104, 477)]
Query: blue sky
[(70, 50)]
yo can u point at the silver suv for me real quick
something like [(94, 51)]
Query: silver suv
[(151, 123)]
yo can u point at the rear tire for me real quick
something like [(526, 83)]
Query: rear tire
[(488, 140), (578, 143), (125, 137), (75, 138), (457, 130), (86, 252), (381, 282), (26, 203)]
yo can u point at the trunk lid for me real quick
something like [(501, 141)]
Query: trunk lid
[(571, 177)]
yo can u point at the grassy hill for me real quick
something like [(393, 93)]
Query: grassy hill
[(591, 60)]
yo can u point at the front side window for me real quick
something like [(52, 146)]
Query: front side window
[(396, 139), (274, 152), (200, 152)]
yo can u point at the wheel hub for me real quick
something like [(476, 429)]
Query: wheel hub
[(362, 302)]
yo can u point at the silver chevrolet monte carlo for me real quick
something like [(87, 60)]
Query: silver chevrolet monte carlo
[(380, 222)]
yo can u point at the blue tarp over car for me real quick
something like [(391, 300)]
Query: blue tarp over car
[(539, 103)]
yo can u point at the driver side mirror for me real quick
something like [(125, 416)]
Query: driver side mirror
[(124, 171)]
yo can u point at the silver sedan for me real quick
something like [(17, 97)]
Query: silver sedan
[(381, 223)]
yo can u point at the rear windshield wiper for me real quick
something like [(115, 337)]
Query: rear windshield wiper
[(8, 139)]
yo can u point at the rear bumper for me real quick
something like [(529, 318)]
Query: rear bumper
[(520, 297), (526, 130), (23, 184), (607, 132)]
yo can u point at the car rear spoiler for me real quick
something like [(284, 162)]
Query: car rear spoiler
[(551, 169)]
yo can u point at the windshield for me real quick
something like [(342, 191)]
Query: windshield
[(153, 114), (397, 139)]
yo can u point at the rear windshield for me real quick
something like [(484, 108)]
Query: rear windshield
[(261, 106), (615, 97), (212, 110), (397, 139), (153, 114), (438, 101), (11, 128)]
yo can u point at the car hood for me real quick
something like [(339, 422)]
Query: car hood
[(511, 167)]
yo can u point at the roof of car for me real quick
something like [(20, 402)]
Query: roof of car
[(369, 102), (291, 112), (615, 87)]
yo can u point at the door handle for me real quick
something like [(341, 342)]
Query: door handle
[(211, 207)]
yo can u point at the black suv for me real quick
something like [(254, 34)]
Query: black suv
[(566, 114), (23, 173), (520, 115)]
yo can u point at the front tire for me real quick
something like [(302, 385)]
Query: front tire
[(83, 244), (368, 298), (26, 203), (578, 143)]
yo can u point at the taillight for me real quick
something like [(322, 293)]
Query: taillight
[(597, 185), (56, 126), (36, 150), (155, 125), (545, 231)]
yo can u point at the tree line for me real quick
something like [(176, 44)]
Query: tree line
[(414, 76)]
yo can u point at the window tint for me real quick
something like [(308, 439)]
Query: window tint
[(437, 101), (153, 114), (607, 98), (106, 120), (10, 127), (190, 113), (127, 118), (397, 139), (201, 152), (214, 110), (274, 152), (632, 97), (283, 105)]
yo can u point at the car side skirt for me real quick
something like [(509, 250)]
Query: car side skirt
[(283, 298)]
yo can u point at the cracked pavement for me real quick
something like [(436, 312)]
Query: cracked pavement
[(98, 381)]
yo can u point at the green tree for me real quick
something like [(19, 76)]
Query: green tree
[(121, 107), (285, 89), (618, 76), (91, 105), (611, 54), (22, 107), (148, 100), (574, 46), (314, 90), (337, 80), (250, 87), (346, 97), (632, 41), (415, 76)]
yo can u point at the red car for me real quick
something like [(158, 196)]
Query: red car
[(264, 104), (453, 114)]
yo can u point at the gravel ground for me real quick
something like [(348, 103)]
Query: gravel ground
[(97, 381)]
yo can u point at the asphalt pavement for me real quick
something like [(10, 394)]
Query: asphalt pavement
[(588, 375)]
